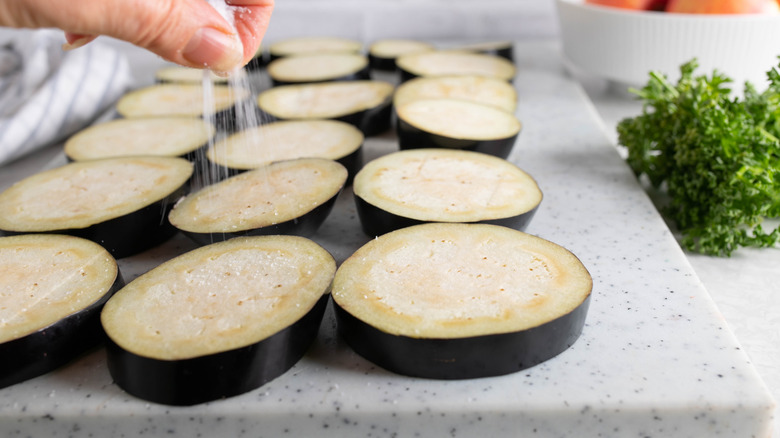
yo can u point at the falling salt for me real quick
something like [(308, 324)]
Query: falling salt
[(244, 117)]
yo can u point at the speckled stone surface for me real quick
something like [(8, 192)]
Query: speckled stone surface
[(655, 359)]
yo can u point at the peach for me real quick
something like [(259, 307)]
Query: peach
[(724, 6), (641, 5)]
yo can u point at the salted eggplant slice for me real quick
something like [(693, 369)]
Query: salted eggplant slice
[(287, 140), (321, 67), (313, 44), (456, 124), (364, 104), (383, 53), (286, 197), (480, 89), (184, 100), (460, 301), (176, 74), (163, 136), (119, 203), (503, 49), (454, 62), (440, 185), (217, 321), (52, 288)]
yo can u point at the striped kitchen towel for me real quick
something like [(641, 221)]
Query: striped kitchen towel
[(47, 94)]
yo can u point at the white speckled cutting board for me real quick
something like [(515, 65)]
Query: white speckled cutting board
[(655, 358)]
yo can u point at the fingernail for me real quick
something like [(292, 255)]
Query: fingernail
[(214, 49), (78, 42)]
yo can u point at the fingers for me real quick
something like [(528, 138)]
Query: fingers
[(187, 32), (251, 21)]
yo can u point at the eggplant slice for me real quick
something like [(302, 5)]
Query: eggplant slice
[(479, 89), (383, 53), (52, 289), (313, 44), (456, 124), (364, 104), (321, 67), (460, 301), (217, 321), (286, 197), (184, 100), (287, 140), (441, 185), (454, 62), (186, 75), (119, 203), (163, 136)]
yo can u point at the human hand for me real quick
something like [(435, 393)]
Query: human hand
[(187, 32)]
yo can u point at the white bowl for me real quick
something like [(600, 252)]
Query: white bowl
[(624, 45)]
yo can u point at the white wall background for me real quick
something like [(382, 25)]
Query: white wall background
[(367, 20)]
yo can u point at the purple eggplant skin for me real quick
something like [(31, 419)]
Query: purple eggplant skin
[(371, 121), (375, 221), (132, 233), (410, 137), (381, 63), (189, 382), (304, 226), (462, 358), (54, 346)]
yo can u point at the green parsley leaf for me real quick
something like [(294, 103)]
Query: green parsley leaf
[(716, 156)]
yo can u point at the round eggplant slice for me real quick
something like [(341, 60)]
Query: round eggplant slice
[(503, 49), (119, 203), (364, 104), (287, 140), (245, 311), (383, 53), (479, 89), (286, 197), (163, 136), (325, 67), (454, 63), (440, 185), (460, 301), (313, 44), (456, 124), (184, 100), (186, 75), (52, 288)]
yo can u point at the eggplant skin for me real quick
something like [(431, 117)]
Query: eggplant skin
[(192, 381), (462, 358), (54, 346), (381, 63), (411, 137), (304, 226), (376, 221), (371, 121)]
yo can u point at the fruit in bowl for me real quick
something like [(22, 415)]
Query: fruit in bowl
[(642, 5), (696, 6), (623, 45)]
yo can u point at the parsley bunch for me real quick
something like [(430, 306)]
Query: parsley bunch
[(716, 156)]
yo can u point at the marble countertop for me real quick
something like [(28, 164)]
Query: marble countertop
[(658, 355)]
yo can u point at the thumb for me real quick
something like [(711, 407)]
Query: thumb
[(187, 32)]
